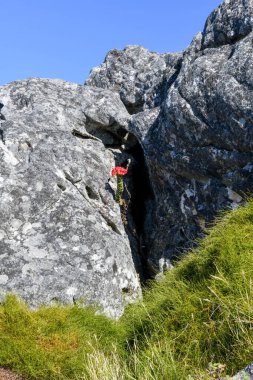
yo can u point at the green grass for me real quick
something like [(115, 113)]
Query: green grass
[(200, 314)]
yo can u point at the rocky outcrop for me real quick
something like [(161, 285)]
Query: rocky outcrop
[(181, 123), (200, 151), (197, 138), (137, 74), (61, 235), (229, 23)]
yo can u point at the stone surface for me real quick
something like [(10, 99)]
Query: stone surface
[(137, 74), (246, 374), (197, 137), (61, 234), (199, 150), (181, 122), (231, 21)]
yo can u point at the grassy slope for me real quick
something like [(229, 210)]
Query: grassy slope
[(200, 313)]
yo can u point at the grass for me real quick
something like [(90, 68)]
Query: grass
[(196, 323)]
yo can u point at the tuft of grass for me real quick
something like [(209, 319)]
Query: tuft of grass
[(202, 312), (52, 342), (196, 323)]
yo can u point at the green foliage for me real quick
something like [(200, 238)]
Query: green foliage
[(199, 315), (53, 342), (120, 188)]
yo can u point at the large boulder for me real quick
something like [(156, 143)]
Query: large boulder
[(197, 138), (137, 74), (228, 23), (199, 150), (61, 234), (181, 122)]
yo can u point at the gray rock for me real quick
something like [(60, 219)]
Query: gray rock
[(246, 374), (137, 74), (189, 142), (231, 21), (61, 235), (197, 136), (199, 151)]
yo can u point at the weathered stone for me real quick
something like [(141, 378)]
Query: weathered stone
[(204, 139), (137, 74), (61, 234), (228, 23), (197, 136), (199, 151), (189, 142), (246, 374)]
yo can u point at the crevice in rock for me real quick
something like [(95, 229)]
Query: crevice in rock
[(214, 44), (158, 92), (2, 136), (2, 117), (231, 53), (70, 179), (137, 202), (142, 201), (61, 186), (237, 38), (167, 83), (133, 109), (110, 136), (110, 223), (83, 135), (138, 196), (74, 182), (91, 193)]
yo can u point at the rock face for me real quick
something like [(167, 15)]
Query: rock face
[(137, 74), (230, 22), (197, 137), (246, 374), (61, 233), (181, 122)]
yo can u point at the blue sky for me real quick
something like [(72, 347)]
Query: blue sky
[(66, 38)]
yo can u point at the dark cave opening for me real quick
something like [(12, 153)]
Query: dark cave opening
[(138, 197), (132, 109), (139, 190), (142, 191)]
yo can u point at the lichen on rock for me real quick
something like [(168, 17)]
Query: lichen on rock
[(183, 121)]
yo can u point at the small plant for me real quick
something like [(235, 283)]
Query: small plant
[(119, 172), (217, 370)]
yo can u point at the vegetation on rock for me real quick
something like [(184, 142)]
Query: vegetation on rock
[(119, 172)]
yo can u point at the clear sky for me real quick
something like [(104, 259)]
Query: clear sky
[(66, 38)]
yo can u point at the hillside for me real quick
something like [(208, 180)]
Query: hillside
[(126, 214), (199, 314), (180, 123)]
